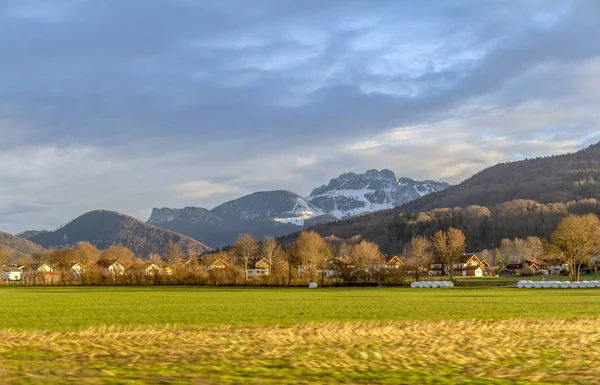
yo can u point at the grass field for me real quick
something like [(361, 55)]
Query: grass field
[(294, 336)]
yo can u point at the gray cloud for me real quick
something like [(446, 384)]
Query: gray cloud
[(131, 104)]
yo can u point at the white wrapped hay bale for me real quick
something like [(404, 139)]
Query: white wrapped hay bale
[(427, 285), (414, 285), (565, 285), (584, 284), (538, 285), (420, 285), (521, 284), (435, 284), (593, 284), (574, 285), (444, 284), (547, 284), (555, 285), (313, 285), (450, 284), (529, 285)]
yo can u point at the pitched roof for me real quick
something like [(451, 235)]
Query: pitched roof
[(394, 259), (11, 269), (105, 263)]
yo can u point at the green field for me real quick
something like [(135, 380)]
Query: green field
[(295, 336)]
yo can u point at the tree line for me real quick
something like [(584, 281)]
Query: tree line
[(310, 258)]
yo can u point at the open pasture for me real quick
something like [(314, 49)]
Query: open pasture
[(77, 308), (119, 335)]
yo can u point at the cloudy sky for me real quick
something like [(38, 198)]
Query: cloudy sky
[(131, 104)]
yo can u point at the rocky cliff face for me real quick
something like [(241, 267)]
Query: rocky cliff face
[(352, 194)]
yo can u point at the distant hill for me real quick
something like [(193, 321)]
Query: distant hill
[(560, 178), (17, 244), (105, 228), (31, 233), (280, 212)]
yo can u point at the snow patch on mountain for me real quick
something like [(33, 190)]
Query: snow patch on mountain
[(353, 194)]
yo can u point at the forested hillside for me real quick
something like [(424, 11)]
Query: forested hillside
[(484, 227), (104, 228), (561, 178)]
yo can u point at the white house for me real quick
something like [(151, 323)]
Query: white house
[(11, 273), (112, 267), (76, 270), (259, 268)]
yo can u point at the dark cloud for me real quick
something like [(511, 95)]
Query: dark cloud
[(206, 93)]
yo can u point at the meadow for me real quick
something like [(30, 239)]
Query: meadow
[(119, 335)]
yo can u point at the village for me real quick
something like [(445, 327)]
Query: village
[(217, 270)]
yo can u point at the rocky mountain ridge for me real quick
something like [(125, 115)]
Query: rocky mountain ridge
[(280, 212)]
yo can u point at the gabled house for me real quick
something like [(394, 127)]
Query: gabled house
[(259, 268), (210, 262), (393, 262), (76, 270), (526, 267), (11, 273), (110, 267), (468, 265), (152, 269)]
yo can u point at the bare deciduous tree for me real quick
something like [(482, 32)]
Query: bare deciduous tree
[(269, 248), (575, 241), (245, 247), (449, 247), (418, 256)]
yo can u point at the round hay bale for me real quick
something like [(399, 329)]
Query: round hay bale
[(435, 284), (574, 285), (450, 284), (547, 284), (313, 285), (538, 285), (584, 284), (521, 284), (414, 285), (565, 285), (420, 285), (529, 285), (593, 284), (555, 285), (427, 285)]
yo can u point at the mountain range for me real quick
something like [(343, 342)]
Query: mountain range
[(526, 184), (352, 204), (277, 213)]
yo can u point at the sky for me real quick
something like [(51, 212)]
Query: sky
[(133, 104)]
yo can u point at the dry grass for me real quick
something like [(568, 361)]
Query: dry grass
[(411, 352)]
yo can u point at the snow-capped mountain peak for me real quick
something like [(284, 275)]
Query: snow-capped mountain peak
[(352, 194)]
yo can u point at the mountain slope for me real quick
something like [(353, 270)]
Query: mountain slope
[(279, 206), (352, 194), (104, 228), (560, 178), (30, 233), (17, 244), (262, 214)]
